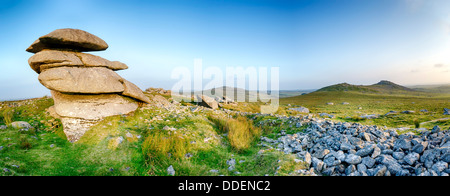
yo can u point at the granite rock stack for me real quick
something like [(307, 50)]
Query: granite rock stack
[(85, 87)]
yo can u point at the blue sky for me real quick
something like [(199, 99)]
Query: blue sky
[(314, 42)]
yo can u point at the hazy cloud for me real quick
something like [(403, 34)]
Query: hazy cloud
[(414, 5), (447, 28), (439, 65)]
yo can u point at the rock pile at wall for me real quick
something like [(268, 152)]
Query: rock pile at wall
[(85, 87), (345, 149)]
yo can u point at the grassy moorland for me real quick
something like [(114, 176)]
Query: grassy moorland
[(147, 142), (196, 141), (378, 100)]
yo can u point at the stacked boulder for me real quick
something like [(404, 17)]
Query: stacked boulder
[(85, 87)]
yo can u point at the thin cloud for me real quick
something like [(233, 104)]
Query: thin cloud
[(439, 65), (414, 5)]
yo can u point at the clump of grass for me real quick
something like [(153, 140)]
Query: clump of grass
[(221, 123), (8, 115), (241, 132), (159, 145), (25, 143), (416, 123)]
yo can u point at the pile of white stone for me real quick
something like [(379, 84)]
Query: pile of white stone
[(345, 149)]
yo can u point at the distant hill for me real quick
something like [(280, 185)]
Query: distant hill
[(442, 88), (382, 87), (385, 85), (238, 92)]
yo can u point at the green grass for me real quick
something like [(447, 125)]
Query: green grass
[(363, 103), (44, 150)]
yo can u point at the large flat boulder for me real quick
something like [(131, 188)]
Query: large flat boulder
[(300, 109), (68, 39), (207, 101), (95, 80), (134, 91), (92, 107), (90, 60), (53, 58), (47, 59)]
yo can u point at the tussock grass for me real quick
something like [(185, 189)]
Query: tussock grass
[(160, 145), (241, 132), (7, 115)]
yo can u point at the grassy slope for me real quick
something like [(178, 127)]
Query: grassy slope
[(371, 103), (44, 150), (444, 89)]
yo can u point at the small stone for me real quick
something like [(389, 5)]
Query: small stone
[(317, 164), (350, 169), (366, 137), (231, 162), (214, 171), (21, 125), (352, 159), (398, 155), (440, 166), (321, 153), (305, 157), (411, 158), (404, 144), (376, 152), (366, 150), (435, 129), (380, 170), (446, 111), (170, 171), (346, 146)]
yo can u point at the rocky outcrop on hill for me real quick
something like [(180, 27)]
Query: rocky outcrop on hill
[(345, 149), (85, 87)]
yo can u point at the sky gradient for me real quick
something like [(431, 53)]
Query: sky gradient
[(315, 43)]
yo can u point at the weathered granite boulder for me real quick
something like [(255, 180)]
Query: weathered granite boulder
[(92, 107), (84, 87), (131, 90), (47, 59), (300, 109), (21, 125), (53, 58), (95, 80), (68, 39), (207, 102)]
